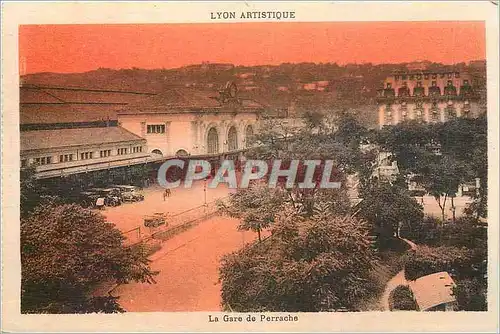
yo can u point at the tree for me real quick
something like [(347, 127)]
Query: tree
[(402, 299), (427, 232), (388, 208), (466, 140), (31, 190), (255, 206), (441, 177), (408, 142), (428, 260), (471, 295), (307, 265), (440, 157), (462, 252), (66, 251), (334, 138)]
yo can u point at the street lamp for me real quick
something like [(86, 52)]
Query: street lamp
[(205, 191)]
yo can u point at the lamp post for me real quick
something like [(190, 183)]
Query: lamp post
[(205, 192)]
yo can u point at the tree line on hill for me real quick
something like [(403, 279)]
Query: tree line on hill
[(352, 86)]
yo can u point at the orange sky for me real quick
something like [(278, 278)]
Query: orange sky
[(78, 48)]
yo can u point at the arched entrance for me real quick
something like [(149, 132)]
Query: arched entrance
[(212, 141), (248, 135), (232, 139), (156, 151), (181, 153)]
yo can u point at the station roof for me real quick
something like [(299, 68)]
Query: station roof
[(47, 104), (176, 100), (52, 139)]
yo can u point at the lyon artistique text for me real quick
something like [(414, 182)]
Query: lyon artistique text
[(275, 15)]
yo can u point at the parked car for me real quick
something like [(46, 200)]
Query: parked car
[(88, 199), (112, 197), (129, 193)]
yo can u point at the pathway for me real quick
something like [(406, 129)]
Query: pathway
[(188, 264), (394, 282)]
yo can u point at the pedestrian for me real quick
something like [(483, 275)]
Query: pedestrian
[(165, 195), (169, 192), (100, 203)]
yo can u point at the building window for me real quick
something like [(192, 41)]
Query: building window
[(442, 75), (181, 153), (156, 128), (65, 157), (451, 112), (419, 110), (419, 76), (122, 151), (43, 161), (248, 135), (86, 155), (434, 84), (449, 83), (466, 82), (212, 141), (434, 76), (136, 149), (396, 77), (105, 153), (466, 109), (435, 112), (389, 85), (412, 77), (403, 77), (457, 75), (450, 75), (404, 111), (419, 83), (232, 139), (426, 76)]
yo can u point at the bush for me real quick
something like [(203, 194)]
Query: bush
[(66, 252), (306, 266), (471, 294), (402, 299), (427, 232), (428, 260)]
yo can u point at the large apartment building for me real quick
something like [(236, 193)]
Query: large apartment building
[(429, 96)]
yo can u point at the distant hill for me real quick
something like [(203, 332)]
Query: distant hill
[(294, 87)]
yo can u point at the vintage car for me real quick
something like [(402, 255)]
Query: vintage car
[(88, 199), (112, 197), (129, 193), (155, 220)]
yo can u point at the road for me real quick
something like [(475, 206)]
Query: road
[(188, 265), (431, 206), (130, 215), (394, 282)]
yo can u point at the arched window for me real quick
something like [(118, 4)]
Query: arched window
[(181, 153), (248, 135), (232, 139), (157, 152), (212, 141)]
